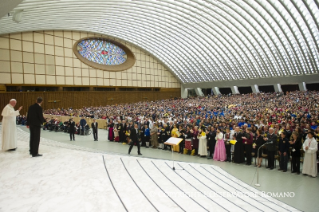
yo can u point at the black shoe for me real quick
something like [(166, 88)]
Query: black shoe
[(279, 169), (129, 152), (271, 168), (38, 155), (139, 154), (284, 171), (12, 149)]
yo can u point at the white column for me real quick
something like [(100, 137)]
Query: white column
[(302, 86), (184, 92), (216, 90), (199, 92), (277, 88), (255, 88), (234, 89)]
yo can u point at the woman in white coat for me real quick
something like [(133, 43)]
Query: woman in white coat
[(310, 147)]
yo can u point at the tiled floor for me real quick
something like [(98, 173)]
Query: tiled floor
[(72, 169)]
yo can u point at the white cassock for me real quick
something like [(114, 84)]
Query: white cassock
[(310, 160), (202, 146), (9, 129)]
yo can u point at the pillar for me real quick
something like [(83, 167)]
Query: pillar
[(302, 86), (199, 92), (255, 88), (277, 88), (184, 92), (216, 90), (234, 89)]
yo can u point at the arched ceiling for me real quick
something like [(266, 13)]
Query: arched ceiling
[(198, 40)]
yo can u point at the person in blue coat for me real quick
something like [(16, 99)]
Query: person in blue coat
[(82, 124)]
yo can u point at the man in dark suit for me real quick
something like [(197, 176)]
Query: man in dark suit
[(271, 147), (211, 142), (283, 148), (239, 148), (94, 126), (135, 138), (34, 122), (168, 135), (71, 125)]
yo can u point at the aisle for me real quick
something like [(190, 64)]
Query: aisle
[(72, 178)]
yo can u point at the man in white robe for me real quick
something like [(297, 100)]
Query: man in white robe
[(310, 147), (9, 131)]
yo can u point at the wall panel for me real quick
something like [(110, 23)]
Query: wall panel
[(49, 52)]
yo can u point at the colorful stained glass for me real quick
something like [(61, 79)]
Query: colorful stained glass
[(102, 52)]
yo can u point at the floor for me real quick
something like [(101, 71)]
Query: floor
[(87, 175)]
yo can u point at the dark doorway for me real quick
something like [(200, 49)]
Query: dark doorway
[(289, 88), (225, 91), (266, 89), (245, 90), (312, 86)]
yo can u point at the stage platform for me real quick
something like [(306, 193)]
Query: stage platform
[(74, 178)]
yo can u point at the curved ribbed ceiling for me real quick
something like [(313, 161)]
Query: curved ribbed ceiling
[(198, 40)]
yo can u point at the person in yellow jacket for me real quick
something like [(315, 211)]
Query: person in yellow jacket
[(175, 133)]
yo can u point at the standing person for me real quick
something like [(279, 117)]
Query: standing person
[(116, 134), (283, 148), (182, 136), (259, 142), (34, 122), (248, 142), (154, 136), (295, 144), (167, 136), (71, 129), (122, 132), (110, 130), (195, 139), (135, 138), (82, 124), (271, 148), (239, 149), (202, 141), (142, 134), (310, 147), (147, 135), (227, 144), (161, 136), (95, 127), (211, 142), (220, 151), (9, 129)]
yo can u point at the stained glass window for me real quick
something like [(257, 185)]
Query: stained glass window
[(102, 52)]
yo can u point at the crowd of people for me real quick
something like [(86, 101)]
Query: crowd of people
[(222, 127), (54, 124)]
